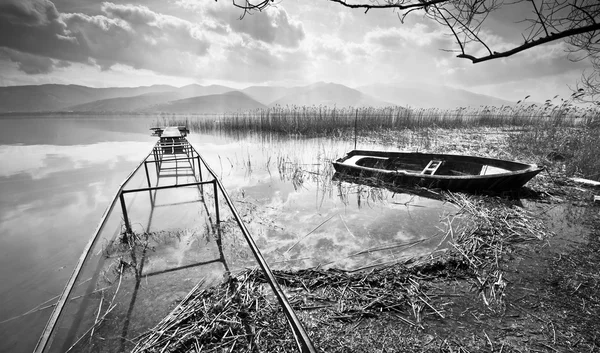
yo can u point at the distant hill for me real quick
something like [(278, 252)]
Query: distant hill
[(126, 104), (195, 90), (59, 97), (42, 97), (166, 98), (430, 96), (267, 94), (328, 94), (146, 101), (214, 103)]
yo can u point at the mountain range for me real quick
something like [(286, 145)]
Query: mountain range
[(221, 99)]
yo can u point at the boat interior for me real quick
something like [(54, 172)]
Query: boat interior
[(428, 167)]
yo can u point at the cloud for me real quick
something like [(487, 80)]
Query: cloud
[(331, 48), (40, 39), (38, 161), (416, 36), (127, 34), (544, 61), (35, 27), (29, 13), (138, 37), (255, 61), (271, 26), (419, 48), (28, 63)]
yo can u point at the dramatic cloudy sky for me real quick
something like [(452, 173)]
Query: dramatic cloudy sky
[(178, 42)]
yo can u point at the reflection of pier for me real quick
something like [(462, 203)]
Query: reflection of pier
[(173, 158), (128, 279)]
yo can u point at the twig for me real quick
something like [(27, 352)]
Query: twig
[(309, 233), (91, 328)]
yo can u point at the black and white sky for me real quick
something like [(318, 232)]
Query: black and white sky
[(179, 42)]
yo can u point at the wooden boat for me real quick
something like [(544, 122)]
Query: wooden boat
[(444, 171)]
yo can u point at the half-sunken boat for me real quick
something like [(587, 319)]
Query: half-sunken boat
[(444, 171)]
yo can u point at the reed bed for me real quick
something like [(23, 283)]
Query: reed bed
[(242, 314), (547, 132), (574, 149), (323, 120)]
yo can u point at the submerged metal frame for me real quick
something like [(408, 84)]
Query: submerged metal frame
[(49, 328), (302, 339)]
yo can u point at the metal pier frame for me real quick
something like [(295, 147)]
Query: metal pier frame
[(196, 163)]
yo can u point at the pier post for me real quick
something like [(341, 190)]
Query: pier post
[(193, 163), (155, 160), (159, 158), (199, 167), (148, 180), (124, 209), (190, 156), (147, 175), (216, 201)]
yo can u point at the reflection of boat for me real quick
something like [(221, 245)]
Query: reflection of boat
[(377, 183), (445, 171)]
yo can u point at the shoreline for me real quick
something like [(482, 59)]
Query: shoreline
[(509, 282)]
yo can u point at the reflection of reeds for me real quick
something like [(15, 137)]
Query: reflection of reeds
[(128, 243)]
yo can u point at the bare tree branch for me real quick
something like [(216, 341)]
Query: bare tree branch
[(462, 49), (540, 17), (531, 44), (391, 4)]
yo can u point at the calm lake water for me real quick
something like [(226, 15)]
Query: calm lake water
[(58, 176)]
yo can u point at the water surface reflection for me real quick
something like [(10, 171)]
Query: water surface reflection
[(56, 179), (301, 216)]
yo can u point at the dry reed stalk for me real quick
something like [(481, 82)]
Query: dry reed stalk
[(240, 314)]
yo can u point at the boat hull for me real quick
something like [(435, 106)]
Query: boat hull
[(383, 166)]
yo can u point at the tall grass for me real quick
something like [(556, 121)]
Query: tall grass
[(549, 132), (576, 149), (572, 147), (321, 120)]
